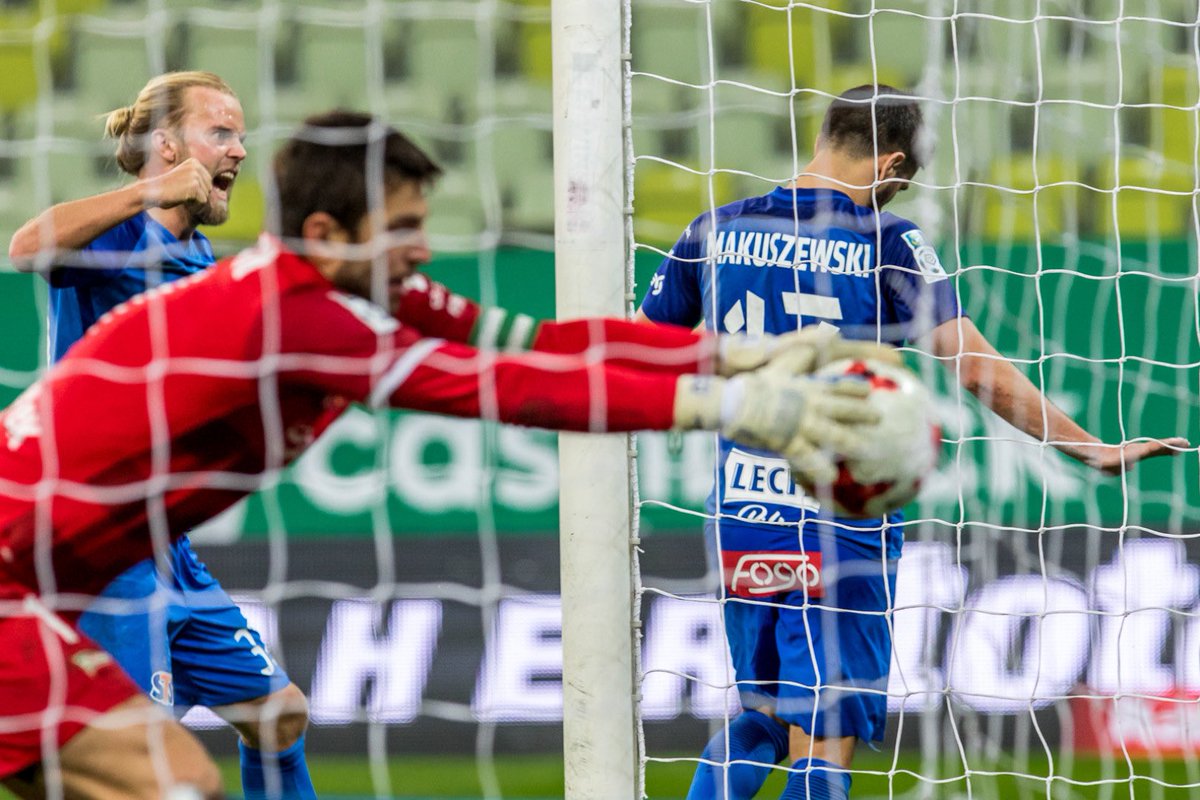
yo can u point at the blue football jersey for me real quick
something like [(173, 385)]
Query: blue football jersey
[(772, 264), (122, 262)]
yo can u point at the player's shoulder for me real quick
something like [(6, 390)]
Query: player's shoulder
[(111, 251), (125, 236), (268, 257), (704, 224), (898, 232), (755, 205), (895, 225), (905, 245), (270, 268), (758, 204), (251, 275)]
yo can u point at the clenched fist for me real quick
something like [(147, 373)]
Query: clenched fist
[(186, 183)]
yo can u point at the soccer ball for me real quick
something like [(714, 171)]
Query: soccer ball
[(904, 444)]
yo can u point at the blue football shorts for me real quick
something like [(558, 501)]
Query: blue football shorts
[(808, 629), (181, 637)]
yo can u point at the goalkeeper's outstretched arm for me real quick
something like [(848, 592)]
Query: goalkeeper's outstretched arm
[(807, 421), (435, 311), (1008, 392), (776, 407)]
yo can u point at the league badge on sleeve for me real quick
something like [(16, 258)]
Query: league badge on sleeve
[(925, 256), (162, 688)]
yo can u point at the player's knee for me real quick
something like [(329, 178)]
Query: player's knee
[(836, 750), (279, 722), (293, 722)]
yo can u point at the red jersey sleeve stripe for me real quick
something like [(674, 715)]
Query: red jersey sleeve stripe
[(522, 333), (398, 373)]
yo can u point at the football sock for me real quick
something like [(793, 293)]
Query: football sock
[(753, 736), (815, 781), (290, 767)]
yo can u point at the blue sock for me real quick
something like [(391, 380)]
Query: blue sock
[(814, 781), (753, 736), (289, 766)]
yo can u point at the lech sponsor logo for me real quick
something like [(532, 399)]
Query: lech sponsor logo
[(761, 479)]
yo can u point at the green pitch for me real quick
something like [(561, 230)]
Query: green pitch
[(541, 778)]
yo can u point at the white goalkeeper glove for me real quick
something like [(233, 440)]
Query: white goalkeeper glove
[(809, 422), (804, 351)]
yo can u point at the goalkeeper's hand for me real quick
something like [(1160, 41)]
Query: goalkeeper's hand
[(803, 351), (809, 422)]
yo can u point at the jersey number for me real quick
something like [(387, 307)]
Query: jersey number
[(751, 319), (246, 636)]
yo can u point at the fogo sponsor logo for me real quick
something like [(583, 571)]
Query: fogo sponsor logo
[(752, 574)]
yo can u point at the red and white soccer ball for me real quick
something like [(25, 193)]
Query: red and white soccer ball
[(904, 445)]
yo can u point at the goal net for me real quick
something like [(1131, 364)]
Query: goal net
[(1044, 613), (1046, 624)]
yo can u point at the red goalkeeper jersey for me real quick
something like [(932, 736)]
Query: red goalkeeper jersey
[(181, 401)]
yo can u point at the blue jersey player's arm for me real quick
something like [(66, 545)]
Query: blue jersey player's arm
[(919, 288), (675, 295), (1009, 392), (916, 293), (50, 239)]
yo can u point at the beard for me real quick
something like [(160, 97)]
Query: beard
[(210, 213)]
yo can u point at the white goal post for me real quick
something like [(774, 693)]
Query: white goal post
[(600, 683)]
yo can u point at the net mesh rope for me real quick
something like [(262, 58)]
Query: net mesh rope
[(1061, 198)]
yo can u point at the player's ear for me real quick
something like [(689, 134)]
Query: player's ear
[(890, 165), (322, 237), (164, 145), (322, 227)]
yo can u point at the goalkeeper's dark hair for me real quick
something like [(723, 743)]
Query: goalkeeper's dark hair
[(874, 119), (332, 162)]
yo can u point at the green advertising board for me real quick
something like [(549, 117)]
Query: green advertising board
[(1113, 341)]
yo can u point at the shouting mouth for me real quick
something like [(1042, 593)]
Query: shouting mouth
[(222, 182)]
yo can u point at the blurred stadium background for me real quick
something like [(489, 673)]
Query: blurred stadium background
[(406, 569)]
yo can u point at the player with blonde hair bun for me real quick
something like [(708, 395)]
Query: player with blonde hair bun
[(181, 139), (172, 627)]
